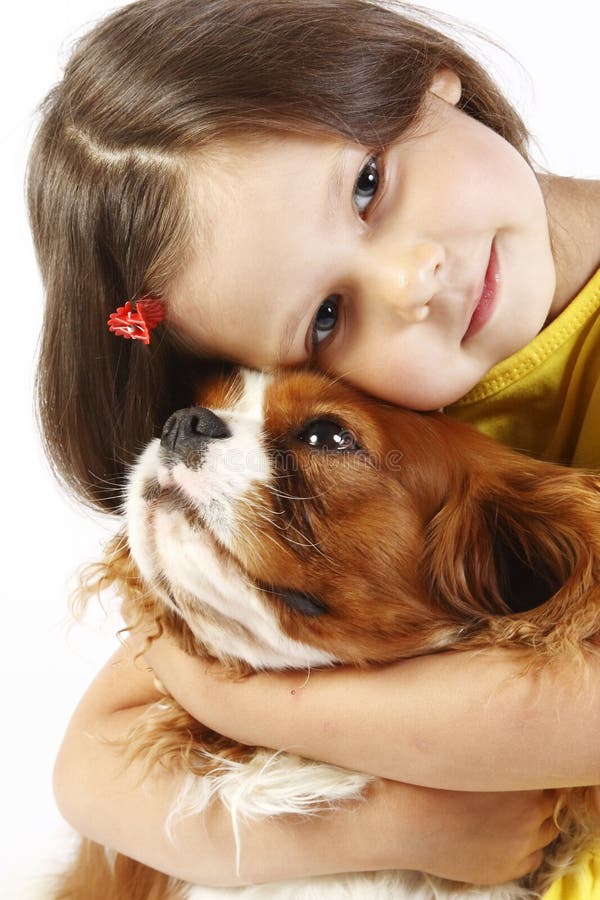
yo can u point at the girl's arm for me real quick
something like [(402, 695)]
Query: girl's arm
[(469, 721), (483, 838)]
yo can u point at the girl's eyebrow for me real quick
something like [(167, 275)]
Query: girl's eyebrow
[(336, 181)]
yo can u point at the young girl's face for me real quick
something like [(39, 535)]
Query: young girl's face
[(409, 273)]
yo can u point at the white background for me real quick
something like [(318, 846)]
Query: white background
[(45, 664)]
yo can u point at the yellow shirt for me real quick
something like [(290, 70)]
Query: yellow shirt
[(582, 884), (545, 400)]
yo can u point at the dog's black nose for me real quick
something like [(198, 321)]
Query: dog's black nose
[(190, 429)]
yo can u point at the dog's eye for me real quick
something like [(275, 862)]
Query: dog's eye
[(328, 435), (306, 604)]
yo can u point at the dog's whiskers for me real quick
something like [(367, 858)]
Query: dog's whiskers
[(305, 543)]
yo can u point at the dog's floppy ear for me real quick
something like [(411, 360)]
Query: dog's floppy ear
[(506, 542)]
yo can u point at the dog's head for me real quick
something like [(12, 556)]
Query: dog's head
[(288, 520)]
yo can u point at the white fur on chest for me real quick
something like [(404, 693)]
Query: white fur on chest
[(285, 784)]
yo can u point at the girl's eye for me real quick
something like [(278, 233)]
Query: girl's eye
[(326, 319), (366, 185)]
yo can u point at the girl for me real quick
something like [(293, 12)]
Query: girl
[(331, 182)]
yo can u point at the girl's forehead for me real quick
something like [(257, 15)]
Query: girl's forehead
[(261, 210), (238, 154)]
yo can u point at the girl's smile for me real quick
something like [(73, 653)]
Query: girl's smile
[(487, 297), (410, 271)]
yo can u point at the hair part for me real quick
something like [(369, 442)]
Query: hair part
[(146, 92)]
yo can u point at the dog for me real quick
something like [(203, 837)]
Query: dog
[(286, 520)]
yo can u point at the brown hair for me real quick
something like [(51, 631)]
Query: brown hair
[(145, 90)]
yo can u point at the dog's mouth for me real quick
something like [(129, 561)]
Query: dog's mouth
[(169, 493)]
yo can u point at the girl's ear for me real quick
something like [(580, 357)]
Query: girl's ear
[(446, 85)]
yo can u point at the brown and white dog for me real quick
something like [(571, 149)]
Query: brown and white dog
[(288, 521)]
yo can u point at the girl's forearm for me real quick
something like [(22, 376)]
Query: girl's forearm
[(112, 808), (460, 721), (482, 838), (115, 806)]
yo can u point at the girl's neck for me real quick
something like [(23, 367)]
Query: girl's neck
[(573, 206)]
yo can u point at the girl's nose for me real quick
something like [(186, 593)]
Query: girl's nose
[(403, 280)]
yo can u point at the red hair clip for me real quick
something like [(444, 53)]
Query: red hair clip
[(136, 325)]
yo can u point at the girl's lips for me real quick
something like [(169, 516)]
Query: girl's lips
[(487, 300)]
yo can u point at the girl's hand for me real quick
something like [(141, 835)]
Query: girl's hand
[(480, 838), (470, 721)]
